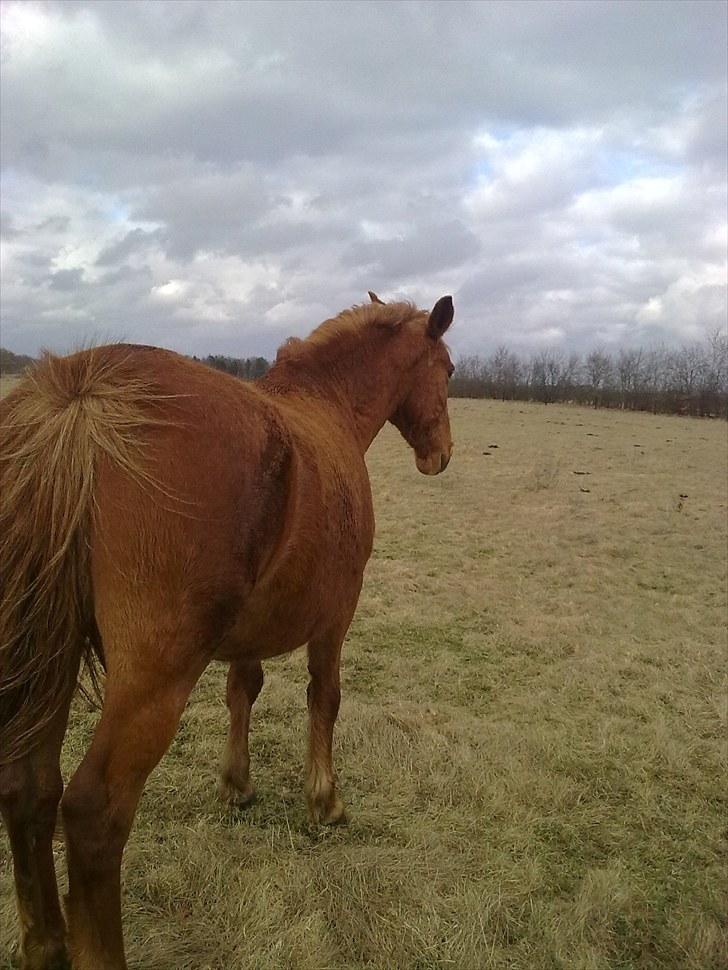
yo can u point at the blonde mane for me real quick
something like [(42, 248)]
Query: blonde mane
[(352, 322)]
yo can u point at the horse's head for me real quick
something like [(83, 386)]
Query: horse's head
[(421, 415)]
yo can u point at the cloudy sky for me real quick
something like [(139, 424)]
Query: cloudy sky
[(213, 177)]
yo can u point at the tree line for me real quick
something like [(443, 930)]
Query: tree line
[(248, 368), (691, 379), (11, 363)]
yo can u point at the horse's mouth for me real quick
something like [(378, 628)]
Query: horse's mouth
[(433, 464)]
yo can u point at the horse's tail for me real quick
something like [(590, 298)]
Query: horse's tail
[(53, 427)]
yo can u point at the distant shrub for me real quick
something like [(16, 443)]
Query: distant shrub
[(11, 363)]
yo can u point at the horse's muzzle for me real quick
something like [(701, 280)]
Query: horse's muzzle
[(433, 464)]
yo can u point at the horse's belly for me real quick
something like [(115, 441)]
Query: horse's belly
[(270, 625), (276, 620), (255, 639)]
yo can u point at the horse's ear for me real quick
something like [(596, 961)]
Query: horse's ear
[(374, 298), (440, 317)]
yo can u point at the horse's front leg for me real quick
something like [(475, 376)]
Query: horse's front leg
[(245, 679), (324, 694)]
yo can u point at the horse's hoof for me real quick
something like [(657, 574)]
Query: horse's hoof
[(60, 961), (337, 816), (236, 797), (332, 814), (53, 956)]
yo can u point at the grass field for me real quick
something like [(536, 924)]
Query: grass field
[(7, 382), (532, 739)]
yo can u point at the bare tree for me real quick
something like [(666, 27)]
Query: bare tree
[(713, 392), (552, 374), (472, 378), (629, 373), (599, 371), (505, 370), (717, 352)]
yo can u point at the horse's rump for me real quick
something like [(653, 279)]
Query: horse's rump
[(53, 426)]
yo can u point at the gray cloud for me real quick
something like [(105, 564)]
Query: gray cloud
[(134, 241), (66, 280), (422, 248), (212, 176)]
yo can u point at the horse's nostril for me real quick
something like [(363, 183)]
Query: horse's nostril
[(444, 459)]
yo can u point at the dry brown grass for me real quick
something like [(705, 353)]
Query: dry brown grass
[(532, 740)]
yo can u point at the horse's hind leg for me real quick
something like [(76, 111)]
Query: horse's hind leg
[(139, 719), (324, 695), (245, 679), (30, 789)]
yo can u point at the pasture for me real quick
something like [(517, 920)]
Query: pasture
[(7, 382), (532, 737)]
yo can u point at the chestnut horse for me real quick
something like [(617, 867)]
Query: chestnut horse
[(157, 515)]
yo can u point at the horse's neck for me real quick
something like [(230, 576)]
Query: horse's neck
[(368, 399), (360, 397)]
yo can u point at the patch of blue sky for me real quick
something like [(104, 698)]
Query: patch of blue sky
[(487, 140), (117, 214), (13, 183), (482, 171), (619, 165)]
